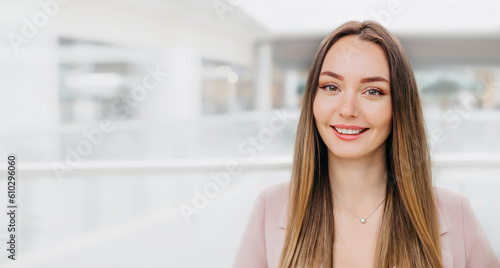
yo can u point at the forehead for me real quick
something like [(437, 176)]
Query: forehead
[(356, 58)]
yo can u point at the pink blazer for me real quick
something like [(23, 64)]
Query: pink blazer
[(463, 241)]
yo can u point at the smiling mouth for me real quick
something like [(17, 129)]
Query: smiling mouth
[(349, 131)]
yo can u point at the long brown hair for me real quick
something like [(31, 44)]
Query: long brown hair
[(409, 232)]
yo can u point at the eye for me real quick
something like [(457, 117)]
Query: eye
[(374, 92), (330, 88)]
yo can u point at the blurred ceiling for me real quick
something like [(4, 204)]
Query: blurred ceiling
[(451, 17), (421, 50)]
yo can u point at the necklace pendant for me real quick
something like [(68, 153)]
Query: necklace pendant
[(363, 220)]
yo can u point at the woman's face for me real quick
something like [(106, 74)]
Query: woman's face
[(354, 93)]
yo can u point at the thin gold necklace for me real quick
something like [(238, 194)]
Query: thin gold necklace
[(362, 220)]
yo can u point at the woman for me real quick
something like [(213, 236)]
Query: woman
[(361, 191)]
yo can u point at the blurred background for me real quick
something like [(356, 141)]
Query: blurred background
[(144, 130)]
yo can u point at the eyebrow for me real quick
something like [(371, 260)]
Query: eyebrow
[(363, 80)]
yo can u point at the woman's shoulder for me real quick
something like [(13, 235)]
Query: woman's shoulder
[(276, 195), (462, 235), (445, 197), (448, 198), (277, 189), (455, 214), (274, 201), (451, 204)]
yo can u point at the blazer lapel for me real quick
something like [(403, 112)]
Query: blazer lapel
[(445, 254), (443, 228), (283, 218)]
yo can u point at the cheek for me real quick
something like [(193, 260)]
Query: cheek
[(387, 123), (387, 115), (322, 108), (316, 109), (380, 115)]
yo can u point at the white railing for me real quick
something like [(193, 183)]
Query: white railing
[(447, 160)]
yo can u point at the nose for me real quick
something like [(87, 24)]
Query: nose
[(349, 105)]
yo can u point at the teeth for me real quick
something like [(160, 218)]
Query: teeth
[(348, 131)]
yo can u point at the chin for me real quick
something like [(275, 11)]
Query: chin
[(347, 154)]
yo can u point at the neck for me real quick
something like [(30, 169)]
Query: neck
[(359, 182)]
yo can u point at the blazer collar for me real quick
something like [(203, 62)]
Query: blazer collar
[(443, 228)]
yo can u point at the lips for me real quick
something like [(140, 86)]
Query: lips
[(349, 134), (350, 131), (348, 127)]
